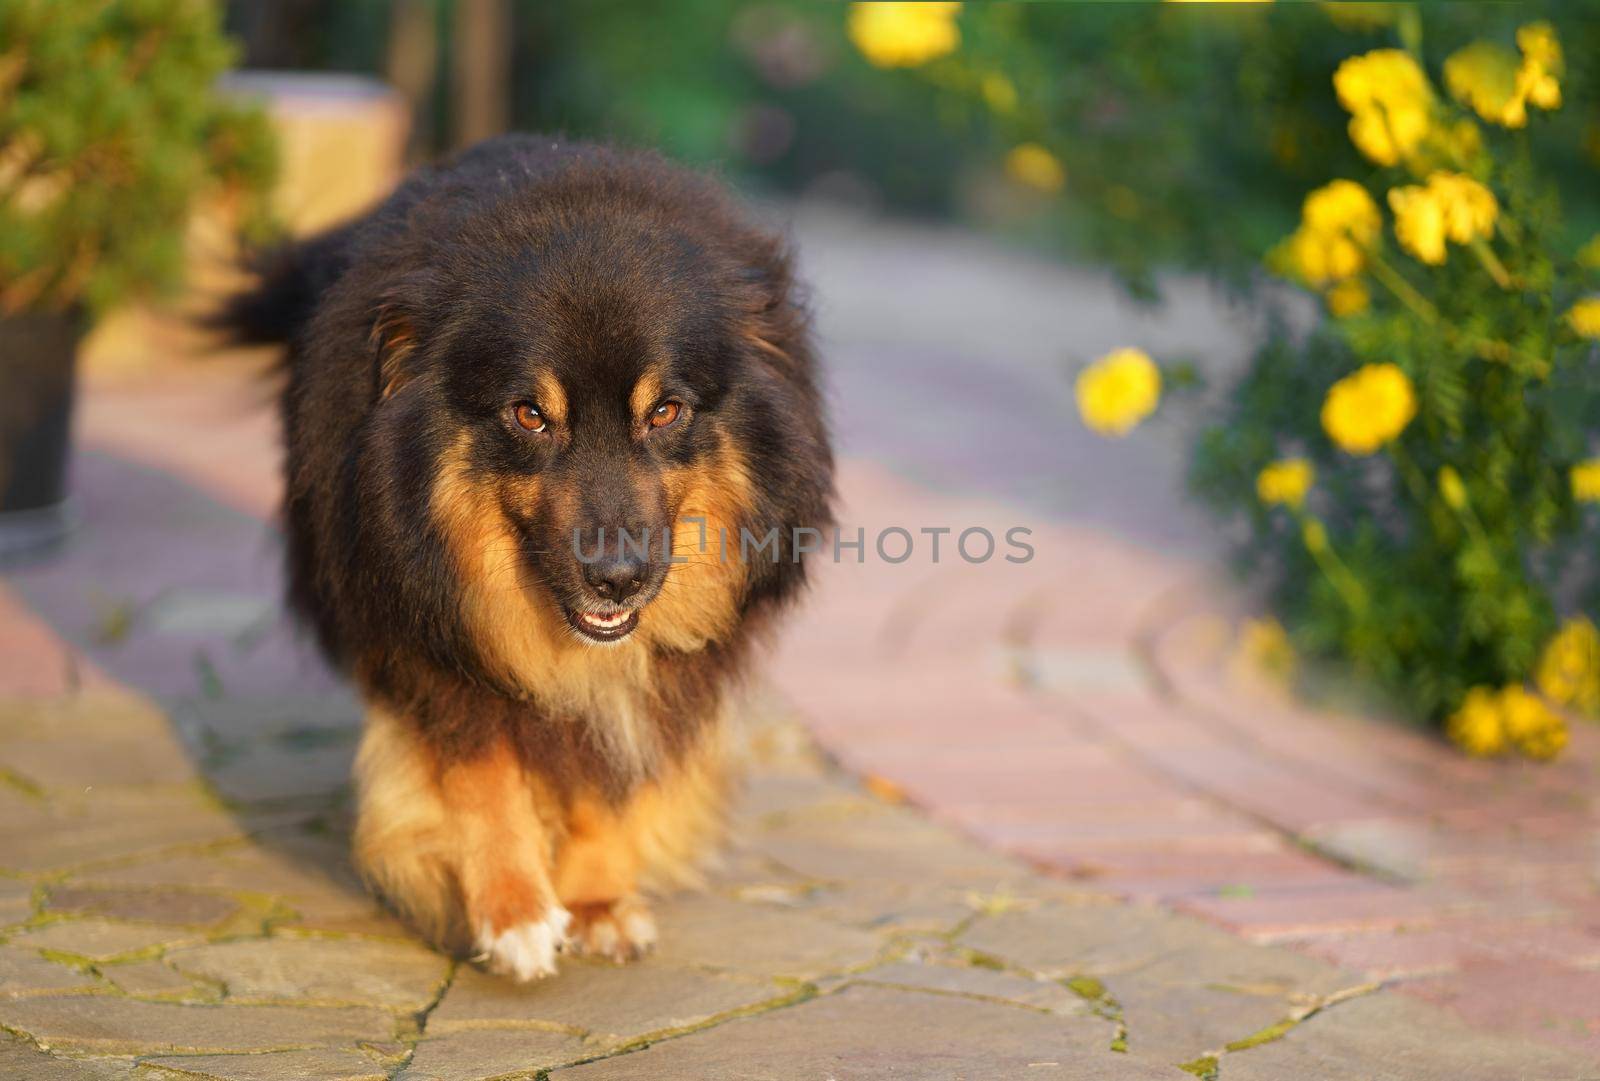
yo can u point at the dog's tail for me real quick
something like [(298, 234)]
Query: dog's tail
[(288, 279)]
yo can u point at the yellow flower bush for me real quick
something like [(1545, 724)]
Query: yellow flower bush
[(1569, 668), (1285, 482), (904, 35), (1032, 166), (1584, 317), (1368, 408), (1431, 588), (1117, 391), (1586, 481), (1449, 207), (1390, 103)]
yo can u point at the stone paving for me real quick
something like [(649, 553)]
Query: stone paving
[(1053, 829)]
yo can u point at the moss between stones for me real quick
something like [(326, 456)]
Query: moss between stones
[(1104, 1005), (1266, 1035)]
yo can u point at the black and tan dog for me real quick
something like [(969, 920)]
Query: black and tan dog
[(507, 386)]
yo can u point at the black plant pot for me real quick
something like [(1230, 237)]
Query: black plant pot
[(37, 359)]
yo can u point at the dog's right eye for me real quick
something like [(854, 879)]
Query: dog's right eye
[(528, 417)]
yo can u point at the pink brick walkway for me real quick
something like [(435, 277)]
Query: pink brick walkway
[(1076, 710), (1079, 712)]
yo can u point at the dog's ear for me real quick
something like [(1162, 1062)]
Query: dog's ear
[(394, 338), (774, 322), (396, 330)]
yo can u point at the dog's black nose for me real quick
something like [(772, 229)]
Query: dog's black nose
[(615, 579)]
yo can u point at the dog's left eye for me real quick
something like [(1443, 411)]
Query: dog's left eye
[(665, 414), (528, 417)]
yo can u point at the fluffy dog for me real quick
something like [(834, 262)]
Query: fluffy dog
[(535, 401)]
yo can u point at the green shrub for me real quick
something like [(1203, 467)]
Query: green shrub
[(110, 128)]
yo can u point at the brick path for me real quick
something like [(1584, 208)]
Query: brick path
[(1225, 875)]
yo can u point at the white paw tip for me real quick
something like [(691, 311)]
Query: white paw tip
[(640, 928), (525, 951)]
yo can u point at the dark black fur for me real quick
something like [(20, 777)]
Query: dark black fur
[(524, 253)]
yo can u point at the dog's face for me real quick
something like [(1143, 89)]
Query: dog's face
[(596, 406), (602, 412)]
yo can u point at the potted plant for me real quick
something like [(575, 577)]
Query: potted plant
[(111, 130)]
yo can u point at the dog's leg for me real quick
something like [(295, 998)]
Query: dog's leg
[(656, 841), (461, 850), (597, 878), (502, 859)]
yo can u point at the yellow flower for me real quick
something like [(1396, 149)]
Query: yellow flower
[(1338, 223), (1539, 78), (1368, 408), (1356, 15), (1499, 86), (1476, 727), (1536, 730), (1470, 209), (1586, 481), (1451, 488), (1584, 316), (1418, 222), (1463, 141), (1483, 75), (904, 35), (1264, 649), (1389, 99), (1569, 668), (1343, 207), (1032, 166), (999, 92), (1315, 534), (1450, 207), (1285, 482), (1321, 258), (1349, 297), (1119, 390)]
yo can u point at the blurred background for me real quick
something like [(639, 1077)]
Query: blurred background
[(1306, 292)]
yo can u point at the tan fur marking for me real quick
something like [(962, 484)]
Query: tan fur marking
[(402, 833), (552, 400), (395, 338), (646, 393), (699, 601), (655, 841)]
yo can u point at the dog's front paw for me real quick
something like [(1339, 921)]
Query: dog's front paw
[(525, 951), (619, 931)]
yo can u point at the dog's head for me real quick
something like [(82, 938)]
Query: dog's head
[(610, 380)]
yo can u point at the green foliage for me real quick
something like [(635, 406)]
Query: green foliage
[(110, 128)]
